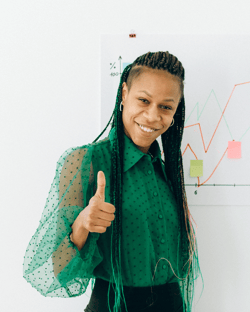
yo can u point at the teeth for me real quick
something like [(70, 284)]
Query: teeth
[(146, 129)]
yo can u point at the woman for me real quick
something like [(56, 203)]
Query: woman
[(129, 228)]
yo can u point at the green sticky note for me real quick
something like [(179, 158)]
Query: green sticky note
[(196, 168)]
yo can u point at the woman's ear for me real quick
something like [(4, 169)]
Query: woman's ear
[(124, 90)]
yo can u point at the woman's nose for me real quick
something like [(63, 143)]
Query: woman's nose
[(153, 113)]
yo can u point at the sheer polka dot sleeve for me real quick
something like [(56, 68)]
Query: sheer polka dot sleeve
[(52, 263)]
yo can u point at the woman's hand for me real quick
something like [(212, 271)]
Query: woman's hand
[(98, 215)]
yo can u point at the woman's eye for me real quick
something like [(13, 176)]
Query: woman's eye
[(166, 107)]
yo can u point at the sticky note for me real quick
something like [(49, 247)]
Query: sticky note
[(196, 168), (234, 149)]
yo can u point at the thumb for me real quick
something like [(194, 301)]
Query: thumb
[(101, 183)]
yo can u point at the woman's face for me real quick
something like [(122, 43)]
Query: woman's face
[(154, 108)]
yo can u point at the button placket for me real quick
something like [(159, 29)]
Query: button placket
[(160, 216)]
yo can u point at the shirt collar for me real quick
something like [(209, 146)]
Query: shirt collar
[(134, 155)]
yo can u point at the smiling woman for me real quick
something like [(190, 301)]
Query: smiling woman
[(141, 115), (137, 242)]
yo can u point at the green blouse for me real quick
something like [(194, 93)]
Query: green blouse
[(150, 229)]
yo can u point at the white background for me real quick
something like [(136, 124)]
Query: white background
[(51, 99)]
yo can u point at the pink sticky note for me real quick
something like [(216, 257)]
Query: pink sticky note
[(234, 149)]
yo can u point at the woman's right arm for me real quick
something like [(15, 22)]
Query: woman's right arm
[(53, 264)]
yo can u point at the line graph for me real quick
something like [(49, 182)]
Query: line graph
[(209, 133), (201, 133)]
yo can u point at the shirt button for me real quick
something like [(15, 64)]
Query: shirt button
[(162, 240), (164, 266), (155, 193), (160, 217), (149, 171)]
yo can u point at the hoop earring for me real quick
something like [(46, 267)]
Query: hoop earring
[(121, 106), (172, 123)]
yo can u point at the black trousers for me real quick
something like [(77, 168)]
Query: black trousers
[(165, 298)]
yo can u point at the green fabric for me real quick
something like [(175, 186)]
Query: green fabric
[(150, 230)]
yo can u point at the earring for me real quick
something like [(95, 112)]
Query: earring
[(172, 123), (121, 106)]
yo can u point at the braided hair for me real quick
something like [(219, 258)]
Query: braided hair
[(171, 142)]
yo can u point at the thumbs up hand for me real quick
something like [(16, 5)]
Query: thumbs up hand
[(98, 215)]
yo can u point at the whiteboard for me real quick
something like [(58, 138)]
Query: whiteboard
[(217, 98)]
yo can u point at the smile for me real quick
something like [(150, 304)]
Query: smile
[(145, 130)]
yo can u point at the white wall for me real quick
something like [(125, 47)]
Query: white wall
[(50, 101)]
